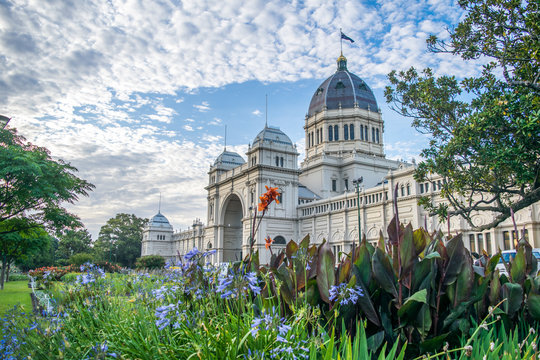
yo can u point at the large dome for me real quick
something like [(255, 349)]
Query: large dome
[(229, 159), (272, 135), (342, 89)]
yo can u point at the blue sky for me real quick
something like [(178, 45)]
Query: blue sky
[(136, 94)]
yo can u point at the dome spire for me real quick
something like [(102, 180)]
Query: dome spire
[(342, 63)]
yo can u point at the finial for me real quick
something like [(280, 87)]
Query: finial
[(159, 206), (266, 113)]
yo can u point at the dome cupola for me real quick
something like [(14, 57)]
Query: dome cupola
[(271, 135), (342, 90), (229, 160), (159, 221)]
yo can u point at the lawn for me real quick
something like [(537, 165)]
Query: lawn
[(15, 292)]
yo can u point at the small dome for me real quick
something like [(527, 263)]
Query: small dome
[(343, 89), (159, 220), (272, 134), (229, 159)]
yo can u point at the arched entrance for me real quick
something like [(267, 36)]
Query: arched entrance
[(232, 229)]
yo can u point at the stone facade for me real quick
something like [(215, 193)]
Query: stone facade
[(344, 142)]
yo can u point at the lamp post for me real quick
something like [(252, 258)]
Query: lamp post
[(356, 184)]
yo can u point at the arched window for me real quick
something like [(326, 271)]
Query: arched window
[(336, 133), (281, 161), (279, 240), (277, 160), (377, 133), (345, 132), (366, 133), (317, 136), (351, 131), (330, 132), (361, 132), (373, 134)]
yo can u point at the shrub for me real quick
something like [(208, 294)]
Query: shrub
[(81, 258), (150, 262), (18, 277), (108, 267)]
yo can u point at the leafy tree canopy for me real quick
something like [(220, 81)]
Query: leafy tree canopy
[(120, 239), (33, 187), (73, 242), (484, 130)]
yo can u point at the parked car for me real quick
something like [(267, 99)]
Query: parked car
[(511, 254)]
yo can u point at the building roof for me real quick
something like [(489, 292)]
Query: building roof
[(160, 221), (272, 134), (343, 89), (305, 193), (229, 159)]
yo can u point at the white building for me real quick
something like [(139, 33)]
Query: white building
[(344, 141)]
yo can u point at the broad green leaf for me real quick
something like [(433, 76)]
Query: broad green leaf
[(292, 248), (305, 242), (366, 305), (383, 272), (412, 303), (456, 257), (344, 271), (375, 341), (513, 293), (325, 271), (517, 270), (363, 264), (407, 250), (533, 304), (423, 321)]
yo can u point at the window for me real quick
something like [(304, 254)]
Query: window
[(334, 185), (471, 243), (480, 239), (427, 187), (439, 184), (279, 240), (402, 190), (488, 243), (373, 134), (408, 189), (277, 160), (345, 132), (281, 161), (421, 188), (351, 131), (330, 133), (280, 197), (346, 184), (506, 240), (361, 132), (377, 133), (317, 136), (336, 133), (366, 133)]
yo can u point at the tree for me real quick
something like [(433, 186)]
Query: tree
[(120, 239), (73, 242), (19, 246), (33, 187), (484, 130), (44, 256)]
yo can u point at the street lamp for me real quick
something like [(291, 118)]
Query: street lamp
[(356, 184), (4, 121)]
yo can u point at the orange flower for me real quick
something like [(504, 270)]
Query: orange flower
[(269, 242), (270, 195)]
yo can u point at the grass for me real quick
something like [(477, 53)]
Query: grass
[(15, 292)]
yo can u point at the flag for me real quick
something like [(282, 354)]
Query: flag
[(345, 37)]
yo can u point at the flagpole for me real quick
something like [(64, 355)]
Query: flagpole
[(340, 42)]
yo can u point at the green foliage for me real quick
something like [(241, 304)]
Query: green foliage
[(15, 293), (487, 148), (33, 187), (73, 242), (81, 258), (150, 262), (120, 239), (40, 257)]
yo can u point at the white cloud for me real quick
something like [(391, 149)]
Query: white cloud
[(204, 107), (74, 76), (257, 112)]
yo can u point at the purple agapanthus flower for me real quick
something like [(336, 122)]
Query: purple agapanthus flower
[(345, 294)]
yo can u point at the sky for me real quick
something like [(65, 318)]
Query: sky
[(136, 94)]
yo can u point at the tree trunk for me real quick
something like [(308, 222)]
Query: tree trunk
[(7, 272), (3, 272)]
